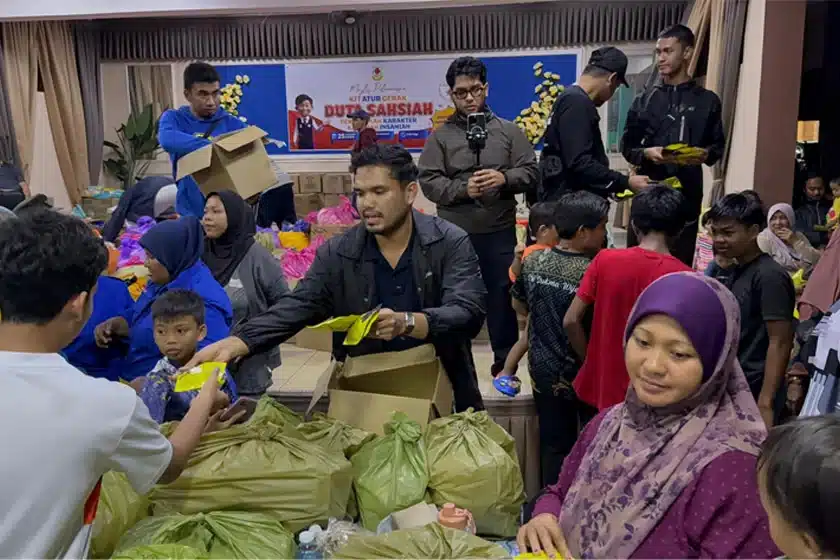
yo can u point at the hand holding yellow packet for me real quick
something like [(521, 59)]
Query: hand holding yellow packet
[(357, 327), (195, 379), (672, 182)]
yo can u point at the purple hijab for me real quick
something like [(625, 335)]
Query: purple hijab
[(642, 458)]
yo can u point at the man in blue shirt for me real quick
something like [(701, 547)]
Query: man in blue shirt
[(192, 126)]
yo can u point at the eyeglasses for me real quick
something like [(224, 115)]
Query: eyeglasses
[(474, 91)]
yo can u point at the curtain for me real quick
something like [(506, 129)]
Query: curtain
[(8, 146), (464, 29), (88, 59), (150, 85), (20, 63), (57, 57)]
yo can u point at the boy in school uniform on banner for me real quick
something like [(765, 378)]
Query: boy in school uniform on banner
[(305, 124), (191, 127)]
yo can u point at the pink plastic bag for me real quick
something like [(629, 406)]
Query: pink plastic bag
[(337, 215)]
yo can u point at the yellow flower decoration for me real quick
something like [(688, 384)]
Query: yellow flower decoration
[(532, 119), (231, 95)]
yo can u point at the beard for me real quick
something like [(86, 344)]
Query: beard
[(389, 228)]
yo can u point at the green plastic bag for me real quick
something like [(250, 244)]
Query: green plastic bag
[(431, 541), (260, 466), (335, 434), (390, 472), (473, 464), (269, 410), (220, 534), (120, 507), (161, 552)]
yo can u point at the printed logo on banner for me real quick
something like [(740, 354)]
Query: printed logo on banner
[(377, 74)]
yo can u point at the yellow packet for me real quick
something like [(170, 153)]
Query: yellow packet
[(531, 556), (798, 278), (338, 324), (672, 182), (360, 329), (194, 379)]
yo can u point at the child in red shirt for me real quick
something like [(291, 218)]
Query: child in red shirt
[(541, 228), (612, 283)]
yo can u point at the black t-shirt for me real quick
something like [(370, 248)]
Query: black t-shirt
[(765, 293), (547, 284)]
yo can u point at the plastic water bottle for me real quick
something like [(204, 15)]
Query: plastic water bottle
[(307, 549)]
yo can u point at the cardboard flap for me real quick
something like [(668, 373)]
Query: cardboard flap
[(322, 386), (234, 141), (388, 361), (194, 161)]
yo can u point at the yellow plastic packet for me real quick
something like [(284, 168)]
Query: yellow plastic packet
[(357, 327), (798, 278), (338, 324), (672, 182), (194, 379)]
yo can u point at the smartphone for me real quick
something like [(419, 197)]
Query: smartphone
[(477, 120), (247, 404)]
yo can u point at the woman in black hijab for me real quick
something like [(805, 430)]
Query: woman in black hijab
[(251, 276)]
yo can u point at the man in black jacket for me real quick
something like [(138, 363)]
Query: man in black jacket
[(421, 269), (573, 156), (677, 110), (813, 211)]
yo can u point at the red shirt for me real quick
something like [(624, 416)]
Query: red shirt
[(367, 137), (612, 283)]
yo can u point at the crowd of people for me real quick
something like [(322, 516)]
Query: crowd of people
[(655, 385)]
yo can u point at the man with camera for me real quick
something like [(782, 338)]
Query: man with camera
[(472, 167)]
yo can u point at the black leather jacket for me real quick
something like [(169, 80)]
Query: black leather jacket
[(341, 282), (812, 213)]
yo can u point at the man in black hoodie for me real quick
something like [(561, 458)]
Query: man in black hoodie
[(676, 110), (813, 211)]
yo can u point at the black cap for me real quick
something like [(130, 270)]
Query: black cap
[(612, 60), (359, 114)]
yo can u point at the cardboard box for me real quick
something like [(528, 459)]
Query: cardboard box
[(312, 339), (309, 183), (306, 203), (336, 183), (235, 161), (295, 183), (332, 200), (366, 391)]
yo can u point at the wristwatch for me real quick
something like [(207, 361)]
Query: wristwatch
[(409, 323)]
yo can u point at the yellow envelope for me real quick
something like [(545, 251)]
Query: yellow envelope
[(360, 329), (338, 324), (194, 379), (672, 182)]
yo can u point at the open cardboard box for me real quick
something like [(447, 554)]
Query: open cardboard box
[(365, 391), (234, 161)]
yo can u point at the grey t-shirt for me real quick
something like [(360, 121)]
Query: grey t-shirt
[(238, 298)]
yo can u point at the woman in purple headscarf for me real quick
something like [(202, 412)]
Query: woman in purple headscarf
[(669, 473)]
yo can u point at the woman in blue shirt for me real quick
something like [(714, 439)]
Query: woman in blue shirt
[(173, 257)]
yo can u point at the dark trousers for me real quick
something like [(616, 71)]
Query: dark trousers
[(276, 206), (682, 247), (561, 417), (495, 255)]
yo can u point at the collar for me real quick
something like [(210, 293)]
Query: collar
[(426, 232), (685, 86)]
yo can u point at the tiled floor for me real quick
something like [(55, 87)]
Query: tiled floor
[(301, 368)]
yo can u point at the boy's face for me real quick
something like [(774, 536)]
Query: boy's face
[(305, 108), (792, 543), (178, 338), (204, 98), (732, 239), (593, 239), (835, 190)]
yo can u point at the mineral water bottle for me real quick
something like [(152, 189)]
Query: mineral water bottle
[(307, 549)]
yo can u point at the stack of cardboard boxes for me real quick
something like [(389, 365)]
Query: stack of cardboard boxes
[(314, 191)]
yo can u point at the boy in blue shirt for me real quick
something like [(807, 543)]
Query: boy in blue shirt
[(189, 128)]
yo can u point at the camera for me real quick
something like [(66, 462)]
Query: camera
[(477, 133)]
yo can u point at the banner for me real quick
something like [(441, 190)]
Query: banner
[(405, 98)]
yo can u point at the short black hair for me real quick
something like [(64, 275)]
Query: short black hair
[(813, 174), (742, 208), (393, 156), (539, 215), (200, 73), (303, 97), (46, 259), (835, 181), (752, 195), (800, 467), (658, 208), (176, 304), (682, 33), (596, 71), (580, 209), (466, 66)]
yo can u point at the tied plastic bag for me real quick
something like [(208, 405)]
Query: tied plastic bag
[(162, 552), (390, 472), (260, 466), (431, 541), (220, 534), (337, 215), (120, 507), (296, 263), (335, 435), (473, 463)]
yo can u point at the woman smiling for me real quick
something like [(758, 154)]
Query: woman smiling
[(789, 248), (669, 473)]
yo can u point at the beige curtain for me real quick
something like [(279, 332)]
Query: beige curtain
[(20, 57), (698, 21), (150, 85), (57, 60)]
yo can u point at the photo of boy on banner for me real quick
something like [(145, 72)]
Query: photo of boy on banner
[(305, 125)]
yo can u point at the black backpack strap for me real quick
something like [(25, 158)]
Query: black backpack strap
[(210, 130)]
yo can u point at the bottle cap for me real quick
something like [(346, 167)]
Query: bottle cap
[(315, 529), (306, 537)]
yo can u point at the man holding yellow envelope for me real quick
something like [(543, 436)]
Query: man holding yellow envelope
[(673, 128)]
